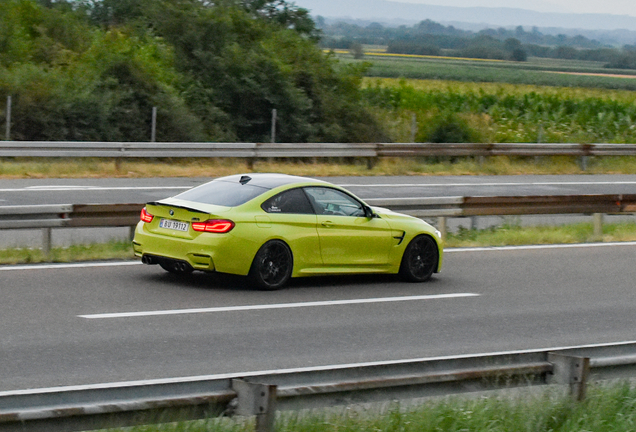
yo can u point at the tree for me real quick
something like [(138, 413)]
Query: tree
[(519, 55), (285, 14), (512, 44), (357, 51), (214, 69), (240, 68), (108, 13)]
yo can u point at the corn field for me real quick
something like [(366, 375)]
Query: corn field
[(507, 112)]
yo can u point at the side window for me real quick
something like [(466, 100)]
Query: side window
[(290, 201), (328, 201)]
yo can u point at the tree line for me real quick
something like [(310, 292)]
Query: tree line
[(92, 70), (431, 38)]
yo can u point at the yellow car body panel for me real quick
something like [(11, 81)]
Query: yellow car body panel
[(320, 244)]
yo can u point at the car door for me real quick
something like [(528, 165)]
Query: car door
[(347, 236), (290, 217)]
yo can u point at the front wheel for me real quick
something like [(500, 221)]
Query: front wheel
[(272, 266), (420, 259)]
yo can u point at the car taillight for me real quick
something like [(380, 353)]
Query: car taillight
[(218, 226), (145, 216)]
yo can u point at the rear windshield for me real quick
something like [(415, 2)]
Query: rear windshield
[(228, 194)]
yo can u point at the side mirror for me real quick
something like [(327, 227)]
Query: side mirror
[(369, 213)]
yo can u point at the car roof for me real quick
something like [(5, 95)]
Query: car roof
[(268, 180)]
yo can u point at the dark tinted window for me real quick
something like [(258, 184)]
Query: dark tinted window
[(291, 201), (328, 201), (229, 194)]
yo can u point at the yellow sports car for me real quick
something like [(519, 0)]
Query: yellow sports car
[(271, 227)]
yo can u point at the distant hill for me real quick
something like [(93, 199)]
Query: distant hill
[(390, 11)]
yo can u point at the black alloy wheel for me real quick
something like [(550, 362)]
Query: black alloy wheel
[(420, 259), (272, 266)]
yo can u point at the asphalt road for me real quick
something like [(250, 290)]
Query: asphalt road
[(52, 331), (84, 191)]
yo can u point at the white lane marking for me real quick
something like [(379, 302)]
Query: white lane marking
[(588, 183), (529, 247), (275, 306), (69, 265), (446, 250), (223, 376), (60, 188), (63, 187), (93, 188)]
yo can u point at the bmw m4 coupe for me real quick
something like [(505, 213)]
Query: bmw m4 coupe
[(272, 227)]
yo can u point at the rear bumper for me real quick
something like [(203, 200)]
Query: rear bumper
[(155, 249), (179, 265)]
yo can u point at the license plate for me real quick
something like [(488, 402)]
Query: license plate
[(173, 225)]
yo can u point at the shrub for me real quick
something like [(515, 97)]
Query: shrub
[(448, 127)]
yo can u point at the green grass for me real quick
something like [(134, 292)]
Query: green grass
[(535, 72), (399, 125), (607, 408), (511, 234), (114, 250)]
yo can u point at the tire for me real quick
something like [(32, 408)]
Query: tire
[(272, 266), (176, 267), (420, 259)]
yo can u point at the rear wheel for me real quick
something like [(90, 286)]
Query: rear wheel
[(272, 266), (420, 259)]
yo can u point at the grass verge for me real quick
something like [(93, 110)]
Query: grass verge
[(114, 250), (342, 167), (515, 235), (505, 235), (607, 408)]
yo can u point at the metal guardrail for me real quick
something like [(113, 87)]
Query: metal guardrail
[(114, 215), (302, 150), (188, 150), (505, 149), (510, 205), (261, 394), (48, 217), (69, 215)]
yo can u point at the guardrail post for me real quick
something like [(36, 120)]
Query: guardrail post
[(274, 118), (537, 159), (153, 127), (8, 119), (413, 127), (570, 370), (442, 226), (256, 400), (598, 226), (46, 241)]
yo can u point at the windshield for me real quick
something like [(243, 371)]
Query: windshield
[(223, 193)]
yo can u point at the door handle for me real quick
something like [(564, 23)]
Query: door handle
[(327, 224)]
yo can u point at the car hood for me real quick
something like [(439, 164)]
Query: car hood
[(390, 214)]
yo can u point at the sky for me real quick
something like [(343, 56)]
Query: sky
[(618, 7)]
